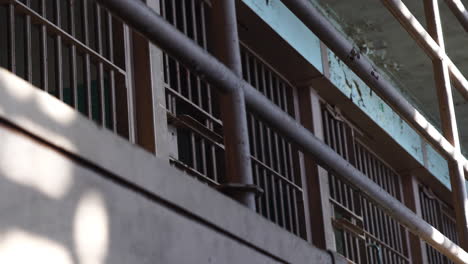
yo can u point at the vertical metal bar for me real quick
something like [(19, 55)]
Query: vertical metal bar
[(254, 143), (11, 35), (102, 94), (114, 105), (233, 109), (449, 122), (58, 52), (44, 57), (112, 74), (275, 164), (87, 67), (297, 215), (402, 232), (385, 219), (29, 74), (260, 154), (413, 200), (74, 74), (129, 81), (273, 182)]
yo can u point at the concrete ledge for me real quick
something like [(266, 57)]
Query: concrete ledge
[(51, 120)]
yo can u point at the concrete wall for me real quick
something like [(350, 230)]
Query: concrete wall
[(72, 192)]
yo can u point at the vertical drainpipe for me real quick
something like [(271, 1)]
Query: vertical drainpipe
[(225, 39)]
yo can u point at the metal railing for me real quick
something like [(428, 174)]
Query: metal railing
[(90, 69), (432, 43), (157, 30), (194, 115)]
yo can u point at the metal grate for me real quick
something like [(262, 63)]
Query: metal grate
[(440, 216), (362, 229), (275, 163), (194, 116), (75, 51)]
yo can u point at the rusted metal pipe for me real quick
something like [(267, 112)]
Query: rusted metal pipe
[(460, 12), (161, 33), (225, 39)]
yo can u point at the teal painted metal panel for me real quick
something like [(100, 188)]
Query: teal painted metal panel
[(384, 116), (299, 37), (290, 28)]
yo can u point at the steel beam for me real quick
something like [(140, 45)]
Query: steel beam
[(157, 30), (448, 120), (226, 48), (460, 12), (425, 41)]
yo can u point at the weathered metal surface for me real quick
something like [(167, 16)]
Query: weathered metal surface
[(448, 120), (362, 66), (226, 47)]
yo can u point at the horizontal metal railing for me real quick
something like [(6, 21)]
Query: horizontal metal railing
[(157, 30), (447, 144)]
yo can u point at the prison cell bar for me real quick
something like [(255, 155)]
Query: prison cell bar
[(448, 120), (58, 31), (157, 30), (233, 110)]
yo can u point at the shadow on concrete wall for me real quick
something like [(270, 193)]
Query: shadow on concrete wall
[(47, 215)]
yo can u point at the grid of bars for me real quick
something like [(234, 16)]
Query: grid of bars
[(190, 101), (83, 60), (193, 110), (440, 216), (74, 50), (361, 227), (275, 163)]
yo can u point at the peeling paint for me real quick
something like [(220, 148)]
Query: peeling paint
[(293, 31), (381, 113)]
